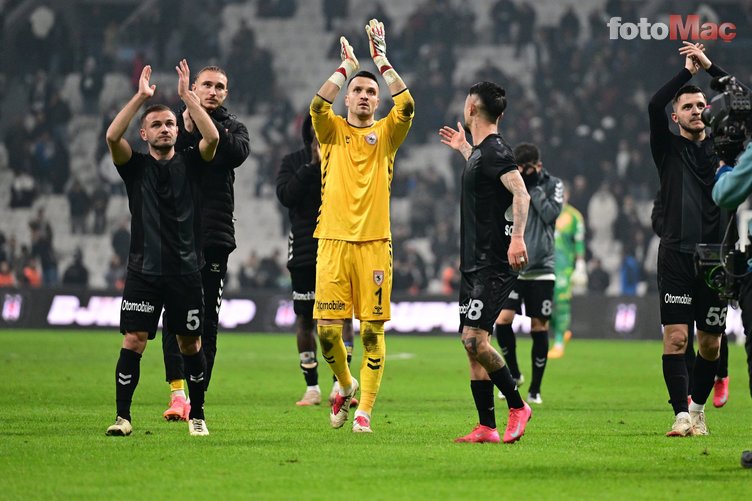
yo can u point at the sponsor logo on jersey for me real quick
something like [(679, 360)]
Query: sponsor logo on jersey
[(683, 299), (371, 138), (378, 277), (214, 267), (330, 305), (303, 296), (142, 307)]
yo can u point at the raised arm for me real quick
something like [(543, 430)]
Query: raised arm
[(349, 65), (456, 140), (517, 253), (210, 135), (377, 45), (234, 141), (120, 150), (696, 51)]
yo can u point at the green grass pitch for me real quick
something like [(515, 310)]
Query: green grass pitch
[(598, 435)]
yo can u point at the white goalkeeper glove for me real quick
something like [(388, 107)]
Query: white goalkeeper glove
[(579, 275), (349, 64), (377, 46)]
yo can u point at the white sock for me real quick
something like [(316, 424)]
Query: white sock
[(363, 413), (178, 393), (315, 388), (693, 407)]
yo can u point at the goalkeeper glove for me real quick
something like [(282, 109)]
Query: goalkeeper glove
[(377, 45), (349, 64), (579, 276)]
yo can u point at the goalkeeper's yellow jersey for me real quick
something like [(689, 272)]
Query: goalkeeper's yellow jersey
[(357, 165)]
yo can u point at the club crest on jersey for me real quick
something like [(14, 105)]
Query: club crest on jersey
[(378, 277), (371, 138)]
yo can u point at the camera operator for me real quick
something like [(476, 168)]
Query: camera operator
[(731, 188), (686, 166)]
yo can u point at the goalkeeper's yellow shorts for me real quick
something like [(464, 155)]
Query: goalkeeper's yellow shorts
[(353, 277)]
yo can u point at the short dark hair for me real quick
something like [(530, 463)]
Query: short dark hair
[(153, 109), (492, 99), (364, 74), (526, 154), (687, 89)]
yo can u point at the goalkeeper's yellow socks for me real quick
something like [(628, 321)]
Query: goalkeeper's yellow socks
[(349, 348), (177, 387), (372, 365), (334, 352)]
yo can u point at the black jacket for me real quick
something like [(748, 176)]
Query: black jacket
[(299, 189), (217, 183)]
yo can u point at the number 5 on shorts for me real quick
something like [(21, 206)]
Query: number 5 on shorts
[(716, 315), (192, 322)]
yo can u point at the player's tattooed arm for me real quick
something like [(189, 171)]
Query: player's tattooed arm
[(517, 252), (513, 182)]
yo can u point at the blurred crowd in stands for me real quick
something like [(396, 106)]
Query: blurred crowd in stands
[(584, 103)]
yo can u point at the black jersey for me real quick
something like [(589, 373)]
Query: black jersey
[(299, 189), (165, 203), (687, 173), (486, 207)]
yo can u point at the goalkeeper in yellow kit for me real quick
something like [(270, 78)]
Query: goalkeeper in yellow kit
[(354, 261)]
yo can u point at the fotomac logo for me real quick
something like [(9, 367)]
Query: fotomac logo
[(678, 28)]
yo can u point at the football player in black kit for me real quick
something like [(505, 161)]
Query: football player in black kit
[(686, 166), (166, 256), (217, 215), (535, 285), (494, 205), (299, 189)]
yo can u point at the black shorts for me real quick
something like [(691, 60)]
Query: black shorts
[(144, 297), (482, 294), (303, 290), (684, 295), (536, 295)]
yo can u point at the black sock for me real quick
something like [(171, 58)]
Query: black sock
[(508, 344), (705, 371), (723, 358), (539, 356), (503, 380), (127, 372), (689, 360), (484, 402), (195, 374), (311, 374), (675, 375)]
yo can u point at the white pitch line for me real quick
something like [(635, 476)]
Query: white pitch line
[(400, 356)]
